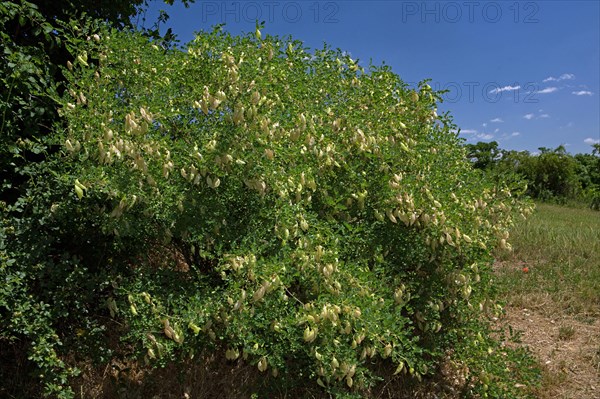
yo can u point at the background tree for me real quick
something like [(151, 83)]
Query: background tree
[(552, 174), (483, 155)]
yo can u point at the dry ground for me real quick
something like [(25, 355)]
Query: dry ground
[(567, 348)]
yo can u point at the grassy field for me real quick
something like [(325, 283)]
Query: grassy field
[(551, 285)]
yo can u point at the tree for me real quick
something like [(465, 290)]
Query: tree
[(483, 155)]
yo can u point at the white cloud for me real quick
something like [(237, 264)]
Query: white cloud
[(582, 93), (496, 130), (468, 131), (548, 90), (528, 116), (544, 116), (485, 136), (497, 120), (484, 124), (515, 134), (564, 76), (505, 88), (591, 141)]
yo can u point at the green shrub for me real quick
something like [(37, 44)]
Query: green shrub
[(290, 208), (594, 195)]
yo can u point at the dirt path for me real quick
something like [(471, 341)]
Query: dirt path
[(568, 350)]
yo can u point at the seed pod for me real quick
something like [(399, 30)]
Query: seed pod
[(398, 295), (169, 332), (258, 295), (194, 328), (178, 338), (82, 58), (304, 225), (349, 382), (318, 356), (351, 371), (69, 145), (387, 351), (79, 188), (309, 334), (204, 107), (399, 368), (262, 364), (391, 216), (255, 98), (335, 363)]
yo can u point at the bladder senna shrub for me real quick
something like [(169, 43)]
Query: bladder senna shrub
[(326, 214)]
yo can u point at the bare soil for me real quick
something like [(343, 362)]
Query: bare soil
[(567, 349)]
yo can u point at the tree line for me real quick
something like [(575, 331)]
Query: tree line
[(551, 174)]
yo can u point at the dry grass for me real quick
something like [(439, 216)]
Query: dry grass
[(556, 303)]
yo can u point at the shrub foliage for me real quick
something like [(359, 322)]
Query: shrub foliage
[(287, 207)]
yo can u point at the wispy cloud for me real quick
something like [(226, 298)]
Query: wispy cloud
[(484, 124), (507, 136), (544, 116), (528, 116), (505, 88), (475, 134), (497, 120), (548, 90), (582, 93), (591, 141), (564, 76)]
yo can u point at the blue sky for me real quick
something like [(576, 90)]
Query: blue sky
[(523, 73)]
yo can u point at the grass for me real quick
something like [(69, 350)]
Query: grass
[(550, 283), (560, 247)]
